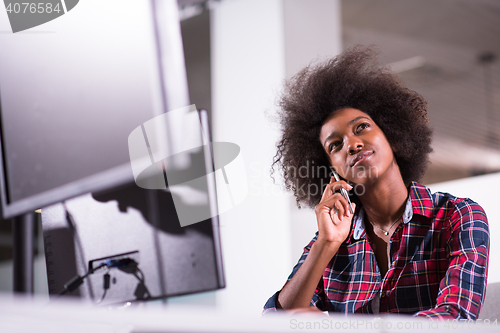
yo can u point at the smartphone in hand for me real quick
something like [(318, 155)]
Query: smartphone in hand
[(343, 191)]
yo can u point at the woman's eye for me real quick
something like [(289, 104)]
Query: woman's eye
[(361, 127), (334, 145)]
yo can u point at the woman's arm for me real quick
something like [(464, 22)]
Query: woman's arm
[(298, 292), (318, 299), (461, 291), (334, 223)]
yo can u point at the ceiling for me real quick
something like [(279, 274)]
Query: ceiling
[(449, 37), (442, 42), (189, 3)]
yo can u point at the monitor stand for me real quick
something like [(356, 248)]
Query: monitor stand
[(22, 234)]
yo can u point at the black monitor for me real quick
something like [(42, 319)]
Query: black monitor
[(71, 92), (128, 244), (74, 88)]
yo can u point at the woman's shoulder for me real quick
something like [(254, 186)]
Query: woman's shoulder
[(445, 205), (423, 196)]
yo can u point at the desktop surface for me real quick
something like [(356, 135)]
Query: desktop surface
[(34, 315)]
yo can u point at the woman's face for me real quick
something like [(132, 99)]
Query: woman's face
[(356, 147)]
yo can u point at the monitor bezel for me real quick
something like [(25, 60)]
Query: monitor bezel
[(174, 93)]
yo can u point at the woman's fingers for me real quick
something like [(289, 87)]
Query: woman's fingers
[(333, 212), (340, 208), (338, 205), (327, 192), (311, 310), (334, 218), (334, 186)]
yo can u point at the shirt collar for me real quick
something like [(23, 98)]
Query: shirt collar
[(419, 202)]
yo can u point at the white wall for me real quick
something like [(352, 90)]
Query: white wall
[(484, 191), (313, 32), (248, 68)]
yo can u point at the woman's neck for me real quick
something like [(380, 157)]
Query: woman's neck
[(385, 201)]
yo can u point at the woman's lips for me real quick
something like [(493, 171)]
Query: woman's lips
[(361, 157)]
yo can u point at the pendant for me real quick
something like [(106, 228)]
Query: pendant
[(386, 233)]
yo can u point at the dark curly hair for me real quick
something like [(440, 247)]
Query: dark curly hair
[(353, 79)]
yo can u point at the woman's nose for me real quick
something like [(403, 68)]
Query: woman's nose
[(354, 145)]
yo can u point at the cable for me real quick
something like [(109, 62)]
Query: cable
[(142, 283), (105, 286), (127, 265), (77, 281)]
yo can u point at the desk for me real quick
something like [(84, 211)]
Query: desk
[(34, 315)]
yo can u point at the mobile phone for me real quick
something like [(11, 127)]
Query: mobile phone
[(343, 191)]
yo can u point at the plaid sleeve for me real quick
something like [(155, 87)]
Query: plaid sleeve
[(461, 291), (318, 299)]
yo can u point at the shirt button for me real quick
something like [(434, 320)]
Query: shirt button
[(382, 294)]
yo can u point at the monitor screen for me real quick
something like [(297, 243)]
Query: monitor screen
[(71, 92), (130, 243), (139, 227)]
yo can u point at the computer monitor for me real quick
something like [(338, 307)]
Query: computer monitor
[(74, 88), (128, 244), (72, 91)]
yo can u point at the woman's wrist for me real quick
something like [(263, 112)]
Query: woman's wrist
[(325, 247)]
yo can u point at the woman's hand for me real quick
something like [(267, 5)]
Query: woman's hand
[(308, 310), (333, 214), (333, 229)]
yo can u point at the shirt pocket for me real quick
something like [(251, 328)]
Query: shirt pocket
[(417, 286)]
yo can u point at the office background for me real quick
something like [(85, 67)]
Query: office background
[(238, 54)]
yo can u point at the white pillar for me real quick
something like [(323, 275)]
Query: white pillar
[(312, 32), (248, 68)]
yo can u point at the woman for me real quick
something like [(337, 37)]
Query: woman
[(404, 249)]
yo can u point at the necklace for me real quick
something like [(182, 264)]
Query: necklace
[(392, 225)]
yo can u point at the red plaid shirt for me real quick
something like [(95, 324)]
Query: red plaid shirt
[(438, 269)]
